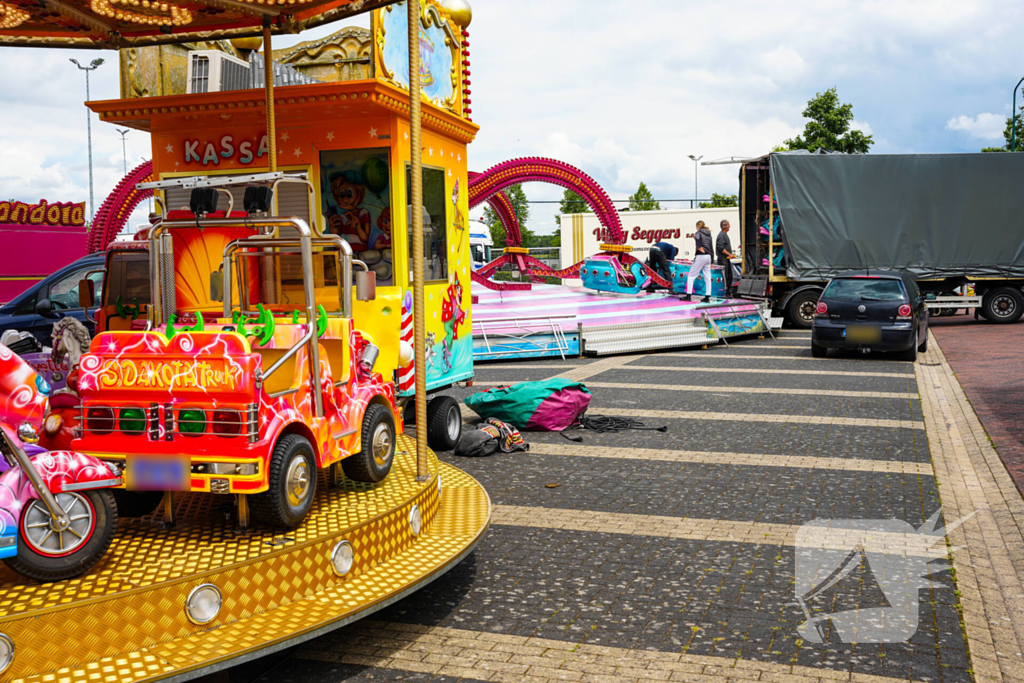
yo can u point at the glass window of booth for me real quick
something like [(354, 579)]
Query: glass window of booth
[(435, 223), (356, 204)]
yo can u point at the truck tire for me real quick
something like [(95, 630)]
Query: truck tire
[(373, 462), (800, 309), (94, 521), (444, 423), (292, 474), (1002, 305)]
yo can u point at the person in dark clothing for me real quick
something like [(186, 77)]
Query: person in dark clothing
[(661, 254), (723, 249), (701, 262)]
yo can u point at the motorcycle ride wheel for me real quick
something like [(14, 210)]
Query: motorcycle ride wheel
[(373, 462), (47, 555), (292, 477)]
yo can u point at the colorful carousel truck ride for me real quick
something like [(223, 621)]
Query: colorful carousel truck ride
[(252, 399)]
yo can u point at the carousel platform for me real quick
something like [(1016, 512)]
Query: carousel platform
[(127, 620), (559, 320)]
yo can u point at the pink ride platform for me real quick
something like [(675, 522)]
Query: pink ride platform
[(559, 320)]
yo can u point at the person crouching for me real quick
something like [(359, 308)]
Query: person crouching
[(703, 249), (661, 253)]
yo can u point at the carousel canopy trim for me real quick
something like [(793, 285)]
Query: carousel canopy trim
[(115, 24)]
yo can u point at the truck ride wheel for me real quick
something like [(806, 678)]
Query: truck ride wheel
[(444, 423), (373, 462), (292, 476), (47, 554), (1002, 305), (800, 309)]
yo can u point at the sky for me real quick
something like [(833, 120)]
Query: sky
[(624, 89)]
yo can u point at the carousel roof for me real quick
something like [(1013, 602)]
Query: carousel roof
[(114, 24)]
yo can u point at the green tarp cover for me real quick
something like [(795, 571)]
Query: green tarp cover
[(933, 215)]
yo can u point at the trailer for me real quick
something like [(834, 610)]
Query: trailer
[(954, 221)]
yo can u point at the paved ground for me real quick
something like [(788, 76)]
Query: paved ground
[(987, 361), (673, 556)]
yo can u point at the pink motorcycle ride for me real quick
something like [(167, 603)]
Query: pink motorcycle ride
[(57, 514)]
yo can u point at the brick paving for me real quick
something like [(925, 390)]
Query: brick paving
[(987, 361), (672, 556)]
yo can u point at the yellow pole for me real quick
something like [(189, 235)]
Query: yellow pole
[(416, 191), (268, 80)]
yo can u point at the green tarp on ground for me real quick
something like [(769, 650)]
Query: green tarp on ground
[(934, 215)]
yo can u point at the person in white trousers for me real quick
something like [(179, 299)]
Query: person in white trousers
[(701, 262)]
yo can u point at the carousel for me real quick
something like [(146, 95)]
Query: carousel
[(228, 471)]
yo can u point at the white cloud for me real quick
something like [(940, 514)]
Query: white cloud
[(984, 126)]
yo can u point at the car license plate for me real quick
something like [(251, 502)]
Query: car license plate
[(863, 334), (158, 474)]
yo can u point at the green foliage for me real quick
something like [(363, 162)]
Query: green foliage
[(552, 240), (828, 127), (720, 200), (571, 203), (643, 200), (521, 205)]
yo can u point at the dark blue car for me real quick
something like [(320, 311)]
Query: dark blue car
[(877, 310), (37, 308)]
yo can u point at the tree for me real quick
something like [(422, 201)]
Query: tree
[(720, 200), (643, 200), (571, 203), (1008, 134), (829, 127), (521, 205)]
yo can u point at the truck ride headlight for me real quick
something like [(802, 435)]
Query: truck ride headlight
[(6, 652), (368, 358), (342, 558)]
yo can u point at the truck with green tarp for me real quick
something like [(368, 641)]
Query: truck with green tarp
[(953, 221)]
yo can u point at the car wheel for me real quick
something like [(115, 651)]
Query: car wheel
[(292, 476), (911, 353), (818, 351), (373, 462), (1002, 305), (923, 346), (800, 309), (444, 423)]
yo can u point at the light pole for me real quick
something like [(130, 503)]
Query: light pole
[(124, 149), (1013, 117), (695, 161), (88, 123)]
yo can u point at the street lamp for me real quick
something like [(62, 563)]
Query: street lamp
[(695, 160), (124, 149), (1013, 119), (88, 122)]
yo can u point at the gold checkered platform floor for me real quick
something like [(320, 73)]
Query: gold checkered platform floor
[(125, 620)]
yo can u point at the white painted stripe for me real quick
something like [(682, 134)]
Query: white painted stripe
[(741, 459), (765, 371), (711, 391)]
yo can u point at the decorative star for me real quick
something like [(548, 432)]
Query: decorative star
[(284, 136), (459, 157), (330, 135), (170, 148), (406, 136), (431, 151), (373, 132), (449, 173), (298, 151)]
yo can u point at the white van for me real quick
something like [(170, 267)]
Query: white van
[(480, 244)]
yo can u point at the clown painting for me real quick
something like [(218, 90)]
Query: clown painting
[(357, 205)]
